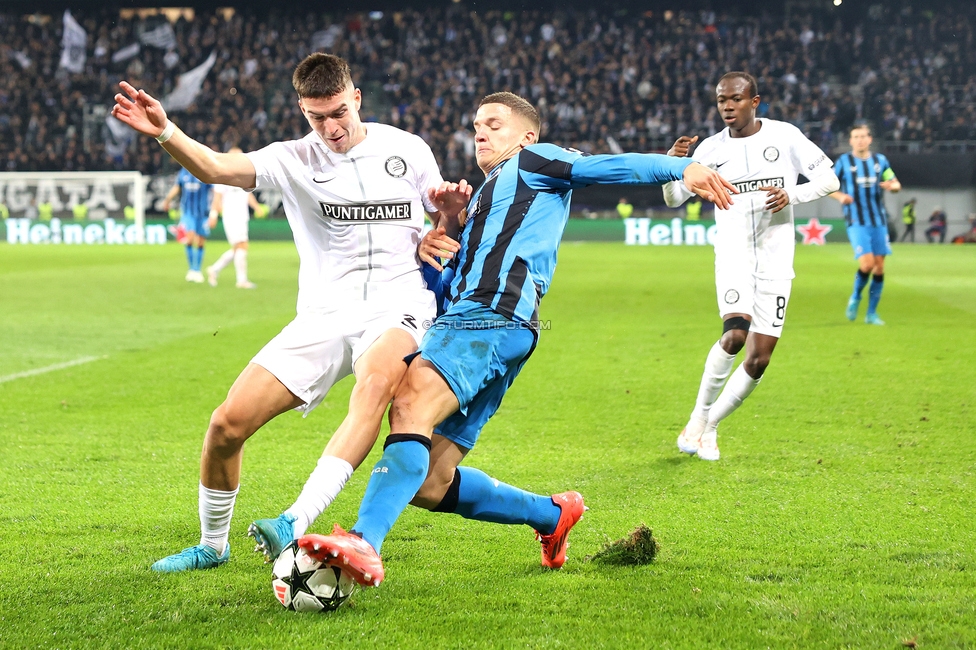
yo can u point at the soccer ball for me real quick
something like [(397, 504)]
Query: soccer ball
[(306, 585)]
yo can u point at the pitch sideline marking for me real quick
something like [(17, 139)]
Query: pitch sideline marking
[(41, 371)]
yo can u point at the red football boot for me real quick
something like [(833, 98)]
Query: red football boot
[(351, 553), (554, 545)]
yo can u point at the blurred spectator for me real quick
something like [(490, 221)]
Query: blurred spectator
[(601, 80), (970, 236), (937, 227), (625, 208), (908, 218)]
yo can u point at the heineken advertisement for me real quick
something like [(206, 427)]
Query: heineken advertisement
[(640, 231)]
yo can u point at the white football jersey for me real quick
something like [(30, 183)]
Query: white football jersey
[(748, 234), (234, 202), (356, 217)]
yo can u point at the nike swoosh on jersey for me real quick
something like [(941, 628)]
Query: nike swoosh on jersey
[(324, 179)]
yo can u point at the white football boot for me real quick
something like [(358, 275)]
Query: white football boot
[(708, 445), (690, 439)]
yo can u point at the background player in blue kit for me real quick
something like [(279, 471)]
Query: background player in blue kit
[(863, 177), (195, 197), (472, 354)]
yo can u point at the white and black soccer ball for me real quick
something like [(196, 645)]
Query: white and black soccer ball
[(306, 585)]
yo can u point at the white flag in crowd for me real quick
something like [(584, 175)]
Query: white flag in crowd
[(24, 60), (188, 85), (118, 136), (126, 53), (162, 37), (326, 38), (73, 44)]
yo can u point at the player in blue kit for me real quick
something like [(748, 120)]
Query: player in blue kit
[(472, 354), (195, 197), (863, 177)]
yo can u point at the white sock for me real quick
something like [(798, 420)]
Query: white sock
[(718, 365), (240, 265), (739, 387), (216, 509), (223, 260), (321, 489)]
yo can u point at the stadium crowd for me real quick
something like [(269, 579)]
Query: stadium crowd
[(603, 82)]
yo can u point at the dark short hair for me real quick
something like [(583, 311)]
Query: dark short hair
[(321, 76), (519, 105), (738, 74), (857, 127)]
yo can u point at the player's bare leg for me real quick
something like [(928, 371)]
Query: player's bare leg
[(255, 398), (378, 374), (718, 367)]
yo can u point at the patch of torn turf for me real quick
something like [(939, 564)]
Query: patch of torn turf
[(639, 547)]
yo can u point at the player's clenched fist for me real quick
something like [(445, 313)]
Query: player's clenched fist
[(140, 110), (681, 146), (709, 185)]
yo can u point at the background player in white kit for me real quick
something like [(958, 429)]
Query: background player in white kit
[(355, 197), (231, 203), (753, 247)]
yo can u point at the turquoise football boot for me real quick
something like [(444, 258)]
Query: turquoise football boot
[(272, 535), (190, 559)]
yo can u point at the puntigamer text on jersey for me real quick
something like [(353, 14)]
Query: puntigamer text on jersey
[(753, 186), (366, 211)]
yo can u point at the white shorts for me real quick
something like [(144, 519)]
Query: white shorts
[(764, 300), (236, 230), (315, 351)]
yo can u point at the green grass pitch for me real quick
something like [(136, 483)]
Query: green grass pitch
[(840, 516)]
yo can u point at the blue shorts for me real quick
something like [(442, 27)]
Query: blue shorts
[(869, 239), (195, 224), (479, 353)]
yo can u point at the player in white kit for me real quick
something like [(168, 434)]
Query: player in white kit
[(355, 195), (231, 203), (753, 246)]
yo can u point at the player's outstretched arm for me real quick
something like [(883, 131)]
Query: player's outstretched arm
[(144, 114), (709, 184)]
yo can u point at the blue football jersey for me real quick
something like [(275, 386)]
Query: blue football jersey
[(517, 217), (194, 195), (861, 179)]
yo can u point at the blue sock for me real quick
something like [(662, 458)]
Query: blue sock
[(860, 281), (874, 293), (189, 256), (197, 258), (483, 498), (393, 483)]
